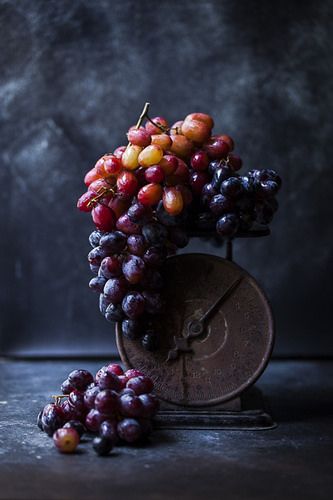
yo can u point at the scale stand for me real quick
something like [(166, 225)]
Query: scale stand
[(216, 339)]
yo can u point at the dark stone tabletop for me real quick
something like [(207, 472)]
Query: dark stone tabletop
[(292, 461)]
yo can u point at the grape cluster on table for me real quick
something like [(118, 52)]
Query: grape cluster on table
[(147, 197), (115, 405)]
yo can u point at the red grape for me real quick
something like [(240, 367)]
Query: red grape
[(103, 217)]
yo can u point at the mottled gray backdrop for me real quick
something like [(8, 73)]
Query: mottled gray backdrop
[(75, 74)]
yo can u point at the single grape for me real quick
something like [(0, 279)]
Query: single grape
[(133, 304), (130, 157), (235, 162), (91, 176), (150, 404), (111, 267), (70, 412), (114, 242), (140, 385), (131, 328), (103, 303), (76, 399), (201, 117), (181, 146), (169, 164), (103, 217), (151, 155), (228, 140), (154, 174), (94, 238), (108, 430), (90, 396), (97, 284), (80, 379), (115, 369), (108, 380), (136, 244), (94, 268), (123, 381), (198, 181), (154, 233), (93, 420), (139, 137), (231, 187), (214, 165), (102, 446), (115, 289), (118, 152), (150, 194), (76, 425), (125, 225), (162, 140), (217, 148), (96, 255), (106, 402), (66, 387), (119, 205), (227, 225), (130, 430), (133, 372), (221, 204), (114, 312), (172, 201), (195, 130), (133, 269), (130, 406), (52, 418), (66, 440), (267, 189), (153, 129), (85, 203), (207, 194), (199, 161), (220, 175), (127, 184), (112, 165)]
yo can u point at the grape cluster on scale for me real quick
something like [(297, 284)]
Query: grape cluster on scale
[(118, 406), (146, 197)]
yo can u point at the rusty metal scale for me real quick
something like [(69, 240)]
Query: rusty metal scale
[(216, 337)]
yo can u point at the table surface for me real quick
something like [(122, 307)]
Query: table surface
[(293, 461)]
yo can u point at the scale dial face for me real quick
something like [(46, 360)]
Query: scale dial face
[(215, 336)]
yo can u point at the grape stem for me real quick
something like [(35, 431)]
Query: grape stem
[(143, 115)]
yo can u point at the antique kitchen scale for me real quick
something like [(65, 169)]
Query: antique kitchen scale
[(216, 340)]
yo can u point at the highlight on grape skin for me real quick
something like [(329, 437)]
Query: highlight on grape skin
[(168, 181)]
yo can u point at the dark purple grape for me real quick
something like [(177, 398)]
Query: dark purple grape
[(115, 242), (155, 233), (227, 225), (131, 328), (80, 379), (267, 189), (108, 429), (136, 244), (153, 302), (178, 236), (232, 187), (130, 430), (111, 267), (77, 425), (71, 413), (266, 174), (213, 166), (39, 420), (220, 175), (150, 404), (96, 255), (152, 280), (133, 305), (93, 420), (66, 387), (90, 396), (247, 184), (102, 446), (115, 289), (139, 213), (107, 402), (140, 385), (94, 238), (125, 224), (133, 269), (150, 341), (207, 194), (155, 256), (130, 406), (114, 312), (97, 284), (108, 380), (126, 390), (52, 418), (76, 399), (103, 303), (221, 204)]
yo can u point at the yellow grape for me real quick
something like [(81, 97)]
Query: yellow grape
[(130, 157), (151, 155)]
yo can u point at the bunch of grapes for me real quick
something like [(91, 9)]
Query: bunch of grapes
[(146, 197), (118, 406)]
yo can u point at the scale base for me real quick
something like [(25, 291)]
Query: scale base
[(247, 412)]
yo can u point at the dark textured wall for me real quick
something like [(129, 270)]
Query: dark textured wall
[(75, 74)]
